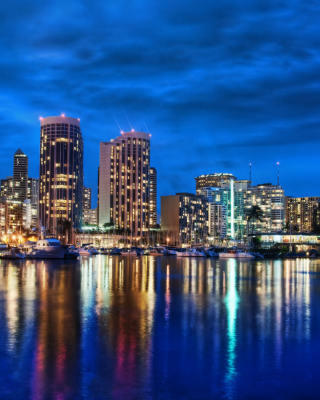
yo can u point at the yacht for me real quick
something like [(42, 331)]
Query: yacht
[(169, 252), (47, 248), (236, 254)]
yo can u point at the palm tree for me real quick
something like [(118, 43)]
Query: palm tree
[(294, 228), (254, 214)]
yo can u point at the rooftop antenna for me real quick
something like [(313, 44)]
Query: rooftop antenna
[(250, 172), (278, 172)]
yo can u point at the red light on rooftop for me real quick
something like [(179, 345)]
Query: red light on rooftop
[(62, 115), (132, 130)]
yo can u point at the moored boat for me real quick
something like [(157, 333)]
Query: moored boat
[(236, 254), (47, 249)]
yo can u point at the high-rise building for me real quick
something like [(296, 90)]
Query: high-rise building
[(124, 182), (86, 198), (184, 217), (7, 187), (29, 214), (213, 180), (238, 197), (61, 173), (302, 211), (153, 197), (20, 176), (33, 190)]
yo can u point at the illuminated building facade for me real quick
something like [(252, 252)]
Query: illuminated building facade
[(33, 190), (153, 197), (213, 180), (303, 212), (124, 182), (86, 198), (20, 176), (29, 214), (61, 173), (10, 215), (184, 217), (90, 217), (238, 197), (7, 187)]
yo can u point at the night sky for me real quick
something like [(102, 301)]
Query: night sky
[(218, 84)]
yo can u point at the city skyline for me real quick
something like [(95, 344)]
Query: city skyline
[(225, 84)]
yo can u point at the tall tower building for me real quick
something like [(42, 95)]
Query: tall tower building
[(33, 190), (124, 182), (20, 176), (153, 197), (61, 173)]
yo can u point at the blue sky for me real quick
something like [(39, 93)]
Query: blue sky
[(218, 84)]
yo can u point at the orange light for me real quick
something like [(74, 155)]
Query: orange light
[(78, 119), (62, 115), (40, 118), (132, 130)]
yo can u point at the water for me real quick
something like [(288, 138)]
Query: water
[(159, 328)]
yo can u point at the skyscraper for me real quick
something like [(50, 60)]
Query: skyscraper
[(20, 176), (61, 174), (7, 187), (124, 182), (33, 190), (213, 180), (153, 197)]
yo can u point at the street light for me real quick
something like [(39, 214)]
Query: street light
[(168, 240)]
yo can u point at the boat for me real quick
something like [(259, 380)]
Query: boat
[(93, 250), (84, 252), (236, 254), (114, 252), (191, 253), (47, 249), (169, 252), (12, 255), (154, 252)]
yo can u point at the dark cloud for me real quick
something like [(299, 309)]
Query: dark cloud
[(218, 84)]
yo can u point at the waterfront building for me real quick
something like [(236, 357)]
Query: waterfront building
[(33, 190), (217, 221), (29, 214), (213, 180), (90, 217), (299, 241), (302, 212), (238, 197), (153, 198), (184, 218), (7, 187), (124, 182), (61, 173), (20, 176)]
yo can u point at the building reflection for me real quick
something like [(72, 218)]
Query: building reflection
[(123, 327)]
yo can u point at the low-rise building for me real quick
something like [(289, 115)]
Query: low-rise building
[(90, 217), (184, 218)]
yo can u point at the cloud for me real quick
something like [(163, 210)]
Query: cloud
[(217, 83)]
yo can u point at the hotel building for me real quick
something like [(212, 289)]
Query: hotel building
[(61, 172), (124, 182), (153, 198), (302, 211), (33, 190), (184, 217), (213, 180), (7, 187)]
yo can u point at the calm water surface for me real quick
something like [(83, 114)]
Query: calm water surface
[(159, 328)]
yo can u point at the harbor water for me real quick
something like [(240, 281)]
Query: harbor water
[(107, 327)]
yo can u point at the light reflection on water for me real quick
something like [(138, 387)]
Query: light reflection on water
[(159, 328)]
